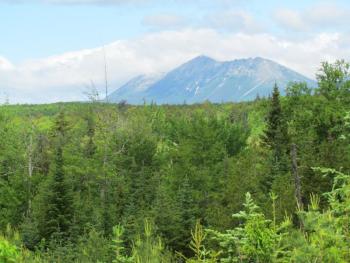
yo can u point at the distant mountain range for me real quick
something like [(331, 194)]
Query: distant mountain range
[(204, 78)]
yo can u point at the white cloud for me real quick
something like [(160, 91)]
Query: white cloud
[(64, 77), (5, 64), (328, 15), (290, 19), (318, 17), (232, 20), (164, 21)]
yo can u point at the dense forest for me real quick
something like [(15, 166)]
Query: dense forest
[(260, 181)]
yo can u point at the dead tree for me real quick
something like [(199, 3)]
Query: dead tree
[(297, 179)]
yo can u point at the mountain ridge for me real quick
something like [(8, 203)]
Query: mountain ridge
[(204, 78)]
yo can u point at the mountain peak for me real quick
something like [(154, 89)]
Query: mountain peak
[(259, 59), (204, 78), (201, 59)]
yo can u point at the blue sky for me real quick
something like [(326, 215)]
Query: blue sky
[(48, 29), (39, 36)]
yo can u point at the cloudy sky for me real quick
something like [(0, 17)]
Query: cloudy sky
[(52, 50)]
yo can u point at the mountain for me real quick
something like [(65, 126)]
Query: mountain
[(134, 90), (204, 78)]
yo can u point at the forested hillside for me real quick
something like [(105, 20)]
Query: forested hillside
[(260, 181)]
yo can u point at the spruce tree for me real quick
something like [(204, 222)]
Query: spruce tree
[(275, 132), (276, 137), (42, 153), (187, 215), (58, 214), (90, 147)]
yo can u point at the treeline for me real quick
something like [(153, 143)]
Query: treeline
[(94, 182)]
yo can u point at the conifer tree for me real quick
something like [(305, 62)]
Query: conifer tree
[(43, 160), (118, 245), (276, 132), (90, 147), (187, 214), (58, 215), (276, 137)]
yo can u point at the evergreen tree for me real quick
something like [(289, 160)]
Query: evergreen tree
[(43, 160), (276, 137), (174, 164), (187, 215), (90, 147), (167, 216), (59, 208), (276, 132)]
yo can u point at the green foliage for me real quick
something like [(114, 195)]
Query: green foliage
[(69, 172), (147, 248), (333, 80), (326, 233), (118, 244), (201, 254), (8, 252), (12, 251), (257, 239), (276, 133), (58, 215), (276, 138), (93, 247)]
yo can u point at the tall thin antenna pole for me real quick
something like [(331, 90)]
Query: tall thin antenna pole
[(106, 76)]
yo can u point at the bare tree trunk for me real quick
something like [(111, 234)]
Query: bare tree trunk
[(30, 171), (104, 185), (297, 179)]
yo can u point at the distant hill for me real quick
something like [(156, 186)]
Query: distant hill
[(204, 78)]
